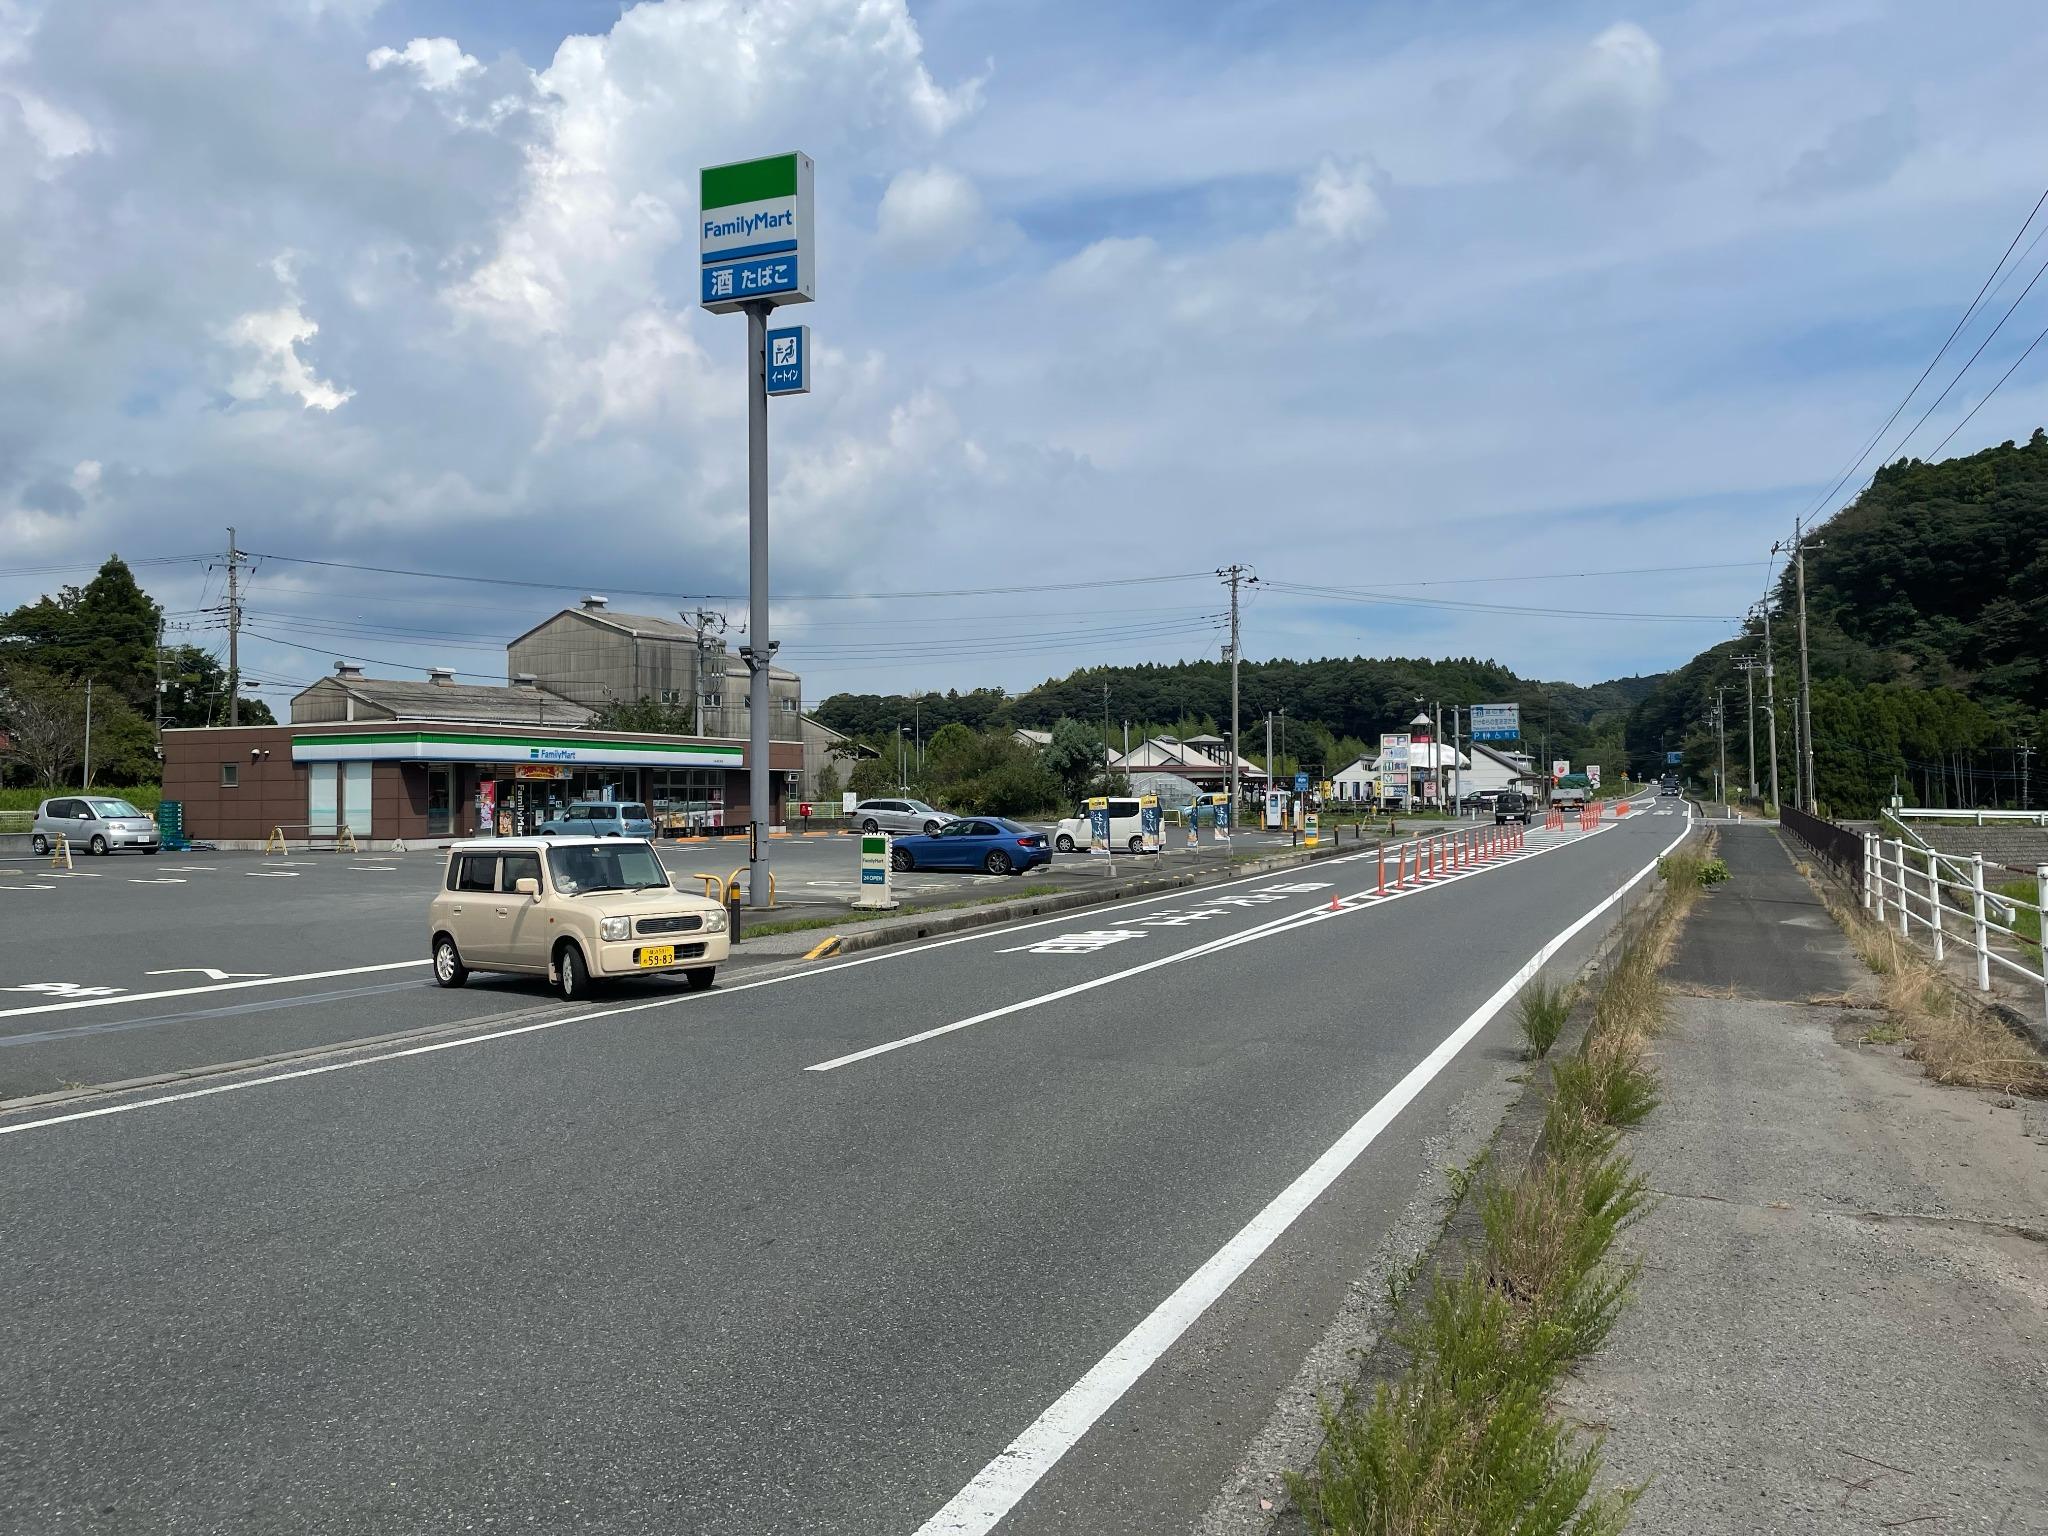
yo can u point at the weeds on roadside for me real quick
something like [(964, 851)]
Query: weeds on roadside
[(1958, 1042), (1541, 1012), (1463, 1443)]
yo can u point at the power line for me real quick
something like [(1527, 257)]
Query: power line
[(1359, 595), (1939, 352), (1952, 431)]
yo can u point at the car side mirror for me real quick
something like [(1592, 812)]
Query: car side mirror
[(527, 886)]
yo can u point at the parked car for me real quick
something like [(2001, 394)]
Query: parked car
[(1510, 805), (1124, 828), (1000, 846), (600, 818), (1481, 800), (98, 823), (577, 910), (898, 816)]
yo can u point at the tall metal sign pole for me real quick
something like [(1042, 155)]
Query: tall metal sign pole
[(757, 253), (1771, 702)]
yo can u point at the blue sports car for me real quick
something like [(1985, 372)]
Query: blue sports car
[(974, 842)]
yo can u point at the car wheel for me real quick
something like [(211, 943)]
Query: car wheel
[(449, 971), (154, 848), (40, 844), (1064, 843), (899, 859), (930, 827), (572, 974), (99, 845), (871, 825), (1137, 845), (698, 978), (997, 862)]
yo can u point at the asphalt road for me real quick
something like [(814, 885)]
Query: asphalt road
[(809, 1254), (129, 967)]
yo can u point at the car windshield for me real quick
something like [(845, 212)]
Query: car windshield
[(113, 808), (922, 809), (611, 867)]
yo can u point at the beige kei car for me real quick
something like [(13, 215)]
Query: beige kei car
[(577, 910)]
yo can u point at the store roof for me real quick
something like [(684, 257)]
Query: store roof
[(471, 703)]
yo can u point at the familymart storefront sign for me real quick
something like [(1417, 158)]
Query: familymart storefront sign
[(510, 751)]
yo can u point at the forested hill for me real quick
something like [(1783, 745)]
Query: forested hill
[(1335, 707), (1927, 604)]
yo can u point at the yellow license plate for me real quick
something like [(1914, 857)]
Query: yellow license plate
[(658, 954)]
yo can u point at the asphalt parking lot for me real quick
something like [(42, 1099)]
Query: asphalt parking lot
[(135, 966)]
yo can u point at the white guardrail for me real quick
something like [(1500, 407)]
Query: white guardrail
[(1970, 818), (1945, 897)]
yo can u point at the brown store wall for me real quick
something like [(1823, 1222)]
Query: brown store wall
[(270, 790)]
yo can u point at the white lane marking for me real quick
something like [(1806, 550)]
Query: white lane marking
[(229, 986), (205, 970), (382, 869), (1077, 943), (10, 886), (158, 880), (271, 874), (62, 989), (186, 869), (1356, 902), (995, 1490), (880, 957)]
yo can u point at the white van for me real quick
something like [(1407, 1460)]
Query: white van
[(1125, 828)]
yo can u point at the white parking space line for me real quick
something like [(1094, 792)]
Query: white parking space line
[(11, 886), (157, 880), (272, 874), (995, 1490), (226, 986)]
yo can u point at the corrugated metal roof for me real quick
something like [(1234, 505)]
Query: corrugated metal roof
[(478, 703)]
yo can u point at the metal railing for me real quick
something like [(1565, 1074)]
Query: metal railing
[(1838, 845), (1944, 897), (1970, 818)]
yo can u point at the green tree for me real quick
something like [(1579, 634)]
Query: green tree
[(647, 716), (1073, 757), (828, 783)]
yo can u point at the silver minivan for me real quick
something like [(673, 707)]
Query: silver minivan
[(98, 823), (898, 816)]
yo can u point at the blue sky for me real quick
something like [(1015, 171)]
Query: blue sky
[(1360, 295)]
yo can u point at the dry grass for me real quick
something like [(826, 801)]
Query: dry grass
[(1958, 1042)]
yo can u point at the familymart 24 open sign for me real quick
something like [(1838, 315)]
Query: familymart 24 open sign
[(755, 228)]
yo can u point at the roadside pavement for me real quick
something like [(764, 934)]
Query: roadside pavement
[(1842, 1323)]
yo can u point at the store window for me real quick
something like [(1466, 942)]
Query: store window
[(688, 797), (230, 775)]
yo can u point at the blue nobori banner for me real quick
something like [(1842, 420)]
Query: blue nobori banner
[(1496, 722)]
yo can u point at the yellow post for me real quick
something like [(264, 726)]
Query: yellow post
[(61, 853)]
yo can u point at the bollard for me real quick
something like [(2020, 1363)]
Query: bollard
[(1383, 869), (733, 908)]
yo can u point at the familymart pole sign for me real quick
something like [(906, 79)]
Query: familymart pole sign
[(757, 252), (756, 232)]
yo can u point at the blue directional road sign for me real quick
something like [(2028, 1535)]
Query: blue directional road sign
[(789, 361), (1674, 758), (1301, 783)]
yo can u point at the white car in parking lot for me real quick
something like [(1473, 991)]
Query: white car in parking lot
[(93, 823), (1126, 827)]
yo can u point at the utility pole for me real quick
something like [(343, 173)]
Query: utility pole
[(2026, 752), (1749, 665), (88, 733), (1771, 698), (1234, 574), (159, 686), (1457, 772), (1798, 547), (1721, 738), (234, 632)]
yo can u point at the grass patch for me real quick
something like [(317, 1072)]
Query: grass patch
[(841, 919), (1957, 1041), (1541, 1011), (1463, 1441), (2026, 922)]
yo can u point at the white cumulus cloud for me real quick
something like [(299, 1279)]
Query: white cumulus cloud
[(1601, 106), (439, 62), (1340, 203), (268, 341), (929, 215)]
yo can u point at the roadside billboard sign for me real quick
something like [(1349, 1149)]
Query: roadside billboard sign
[(1148, 822), (1311, 831), (1560, 766), (1593, 774), (1098, 824), (754, 232), (1394, 766), (877, 888), (1496, 722)]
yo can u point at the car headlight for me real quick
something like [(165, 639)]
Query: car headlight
[(612, 929), (714, 922)]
